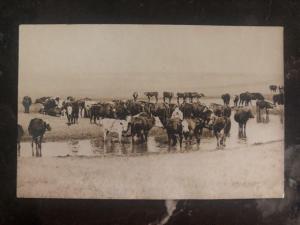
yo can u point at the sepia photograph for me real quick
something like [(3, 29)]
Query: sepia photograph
[(150, 112)]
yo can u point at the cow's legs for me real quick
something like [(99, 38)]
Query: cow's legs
[(180, 140), (18, 148), (32, 147)]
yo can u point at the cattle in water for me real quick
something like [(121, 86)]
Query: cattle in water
[(236, 100), (226, 98), (167, 95), (141, 125), (261, 106), (26, 103), (220, 125), (241, 116), (174, 130), (20, 134), (152, 94), (37, 128), (114, 126), (273, 88), (193, 128), (135, 96), (278, 99)]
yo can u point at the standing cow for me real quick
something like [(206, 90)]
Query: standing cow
[(241, 116), (152, 94), (37, 128), (262, 105), (226, 99), (236, 100), (26, 103), (167, 95), (273, 88)]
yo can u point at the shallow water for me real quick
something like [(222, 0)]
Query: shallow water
[(257, 133)]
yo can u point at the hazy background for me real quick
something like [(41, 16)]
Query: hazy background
[(116, 60)]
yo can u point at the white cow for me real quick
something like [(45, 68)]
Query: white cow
[(114, 126)]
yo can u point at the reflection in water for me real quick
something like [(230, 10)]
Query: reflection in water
[(257, 133)]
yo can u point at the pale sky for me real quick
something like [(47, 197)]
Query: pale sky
[(116, 60)]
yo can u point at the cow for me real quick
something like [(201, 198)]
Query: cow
[(26, 103), (75, 111), (102, 110), (167, 95), (174, 129), (260, 106), (273, 88), (241, 116), (118, 126), (135, 107), (220, 110), (37, 128), (278, 99), (236, 100), (226, 99), (245, 98), (141, 125), (192, 95), (193, 128), (20, 134), (152, 94), (181, 95), (135, 96), (220, 125), (42, 100)]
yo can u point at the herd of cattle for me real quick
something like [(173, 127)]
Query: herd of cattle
[(135, 118)]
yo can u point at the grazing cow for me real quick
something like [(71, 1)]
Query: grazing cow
[(152, 94), (135, 96), (260, 106), (221, 126), (236, 100), (257, 96), (37, 128), (241, 116), (114, 126), (26, 103), (193, 127), (181, 95), (20, 134), (278, 99), (141, 125), (226, 98), (174, 129), (168, 95), (273, 88)]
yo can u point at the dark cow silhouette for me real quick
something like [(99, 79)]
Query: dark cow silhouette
[(278, 99), (141, 125), (226, 98), (220, 125), (257, 96), (167, 95), (26, 103), (263, 105), (192, 95), (241, 116), (246, 97), (236, 100), (181, 95), (174, 128), (135, 95), (152, 94), (37, 128), (102, 110), (273, 88), (20, 134), (42, 100)]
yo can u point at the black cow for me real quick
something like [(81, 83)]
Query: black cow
[(181, 95), (42, 100), (241, 116), (20, 134), (273, 88), (168, 95), (152, 94), (37, 128), (226, 98), (236, 100), (260, 106), (26, 103), (278, 99), (192, 95), (245, 98), (141, 125), (174, 129)]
